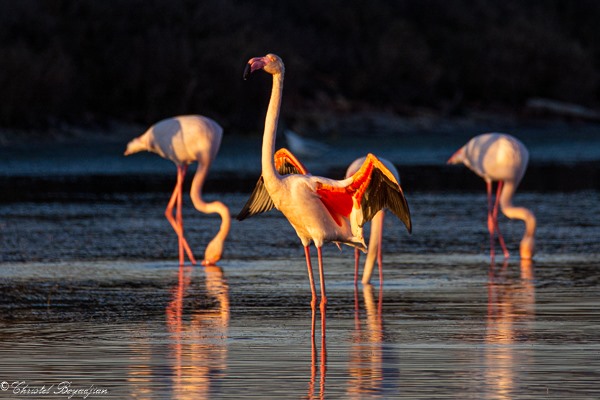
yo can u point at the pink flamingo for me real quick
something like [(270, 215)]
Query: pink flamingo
[(374, 249), (503, 158), (319, 209), (183, 140)]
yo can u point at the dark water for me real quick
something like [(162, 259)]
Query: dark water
[(92, 297), (92, 294)]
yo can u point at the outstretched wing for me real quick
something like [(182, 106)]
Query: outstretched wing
[(286, 163), (374, 187), (260, 201)]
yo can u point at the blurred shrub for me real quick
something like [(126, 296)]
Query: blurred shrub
[(142, 60)]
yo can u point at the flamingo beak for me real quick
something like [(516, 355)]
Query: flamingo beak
[(254, 64), (247, 71)]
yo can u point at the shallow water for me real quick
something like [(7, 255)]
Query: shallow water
[(444, 327), (92, 295)]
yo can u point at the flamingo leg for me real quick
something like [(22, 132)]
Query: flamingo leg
[(322, 278), (495, 216), (176, 224), (178, 216), (323, 304), (490, 220), (323, 321), (356, 261), (313, 302)]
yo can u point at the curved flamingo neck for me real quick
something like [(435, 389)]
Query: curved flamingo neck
[(209, 208), (268, 147), (513, 212)]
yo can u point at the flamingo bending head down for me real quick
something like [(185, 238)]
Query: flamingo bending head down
[(503, 158), (183, 140)]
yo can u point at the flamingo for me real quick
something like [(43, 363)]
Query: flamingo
[(503, 158), (374, 248), (319, 209), (183, 140)]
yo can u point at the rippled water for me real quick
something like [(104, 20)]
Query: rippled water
[(92, 295)]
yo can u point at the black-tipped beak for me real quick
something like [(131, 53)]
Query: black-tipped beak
[(247, 71)]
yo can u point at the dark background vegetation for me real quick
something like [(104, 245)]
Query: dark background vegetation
[(137, 61)]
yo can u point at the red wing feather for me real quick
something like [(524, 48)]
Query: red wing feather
[(338, 201), (375, 187), (287, 163)]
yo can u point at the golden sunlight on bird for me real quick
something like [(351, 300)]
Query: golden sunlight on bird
[(184, 140)]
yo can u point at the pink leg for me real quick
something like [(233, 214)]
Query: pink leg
[(490, 222), (313, 302), (379, 256), (323, 303), (176, 224), (323, 322), (495, 216), (179, 217), (322, 278)]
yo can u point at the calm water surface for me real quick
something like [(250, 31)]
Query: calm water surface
[(92, 295)]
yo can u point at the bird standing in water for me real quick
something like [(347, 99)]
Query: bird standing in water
[(184, 140), (375, 239), (319, 209), (503, 158)]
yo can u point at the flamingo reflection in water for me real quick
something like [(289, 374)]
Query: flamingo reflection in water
[(319, 363), (510, 314), (367, 354), (199, 346)]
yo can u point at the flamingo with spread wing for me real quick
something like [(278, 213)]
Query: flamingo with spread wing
[(320, 210)]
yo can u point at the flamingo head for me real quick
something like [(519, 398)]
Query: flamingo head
[(527, 248), (270, 63), (213, 252)]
